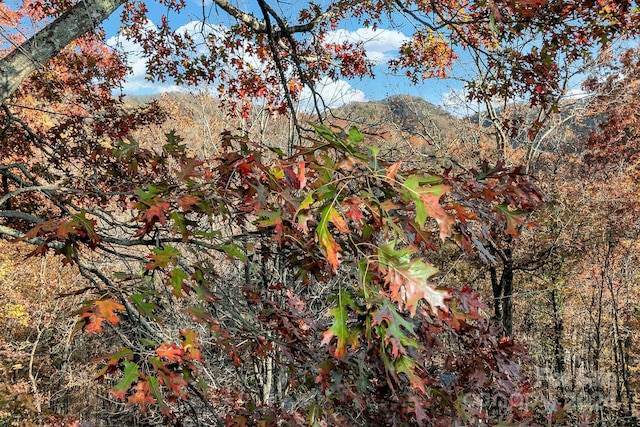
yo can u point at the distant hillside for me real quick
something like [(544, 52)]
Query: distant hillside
[(393, 122), (403, 116), (409, 113)]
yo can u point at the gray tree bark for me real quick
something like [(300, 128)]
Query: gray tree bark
[(25, 59)]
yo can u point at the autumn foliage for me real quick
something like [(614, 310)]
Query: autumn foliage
[(317, 277)]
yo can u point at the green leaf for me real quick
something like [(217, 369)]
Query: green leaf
[(408, 280), (130, 375), (278, 151), (150, 343), (355, 137), (124, 150), (144, 308), (305, 203), (154, 387), (176, 280), (339, 328), (180, 223), (147, 194), (162, 257), (373, 150), (391, 327), (325, 132), (408, 366), (514, 218), (277, 172), (492, 24), (233, 250), (269, 218), (173, 146), (87, 225), (426, 198)]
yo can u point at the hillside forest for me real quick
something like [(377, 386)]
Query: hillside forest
[(221, 256)]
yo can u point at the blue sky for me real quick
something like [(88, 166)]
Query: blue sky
[(380, 45)]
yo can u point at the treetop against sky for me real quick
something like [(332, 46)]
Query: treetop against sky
[(346, 50), (384, 37), (381, 45)]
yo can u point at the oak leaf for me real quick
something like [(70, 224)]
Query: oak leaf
[(131, 374), (142, 397), (99, 311), (171, 352), (408, 280), (339, 329)]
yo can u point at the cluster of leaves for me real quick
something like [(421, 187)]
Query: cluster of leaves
[(341, 216), (526, 46)]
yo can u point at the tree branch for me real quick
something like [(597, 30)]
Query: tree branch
[(48, 42)]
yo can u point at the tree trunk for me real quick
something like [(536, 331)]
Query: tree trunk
[(31, 55), (558, 348), (620, 353), (503, 292), (497, 295), (506, 281)]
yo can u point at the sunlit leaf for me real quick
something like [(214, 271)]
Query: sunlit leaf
[(130, 375), (355, 137), (339, 328), (427, 202), (408, 280), (162, 257), (326, 240), (176, 280), (170, 352)]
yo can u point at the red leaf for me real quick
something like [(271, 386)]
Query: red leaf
[(188, 169), (153, 214), (174, 382), (188, 202), (171, 352)]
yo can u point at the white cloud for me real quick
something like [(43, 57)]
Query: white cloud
[(200, 31), (380, 45), (576, 94), (334, 93), (137, 83), (456, 102)]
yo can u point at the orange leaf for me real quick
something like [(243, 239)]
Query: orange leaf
[(302, 179), (393, 169), (142, 397), (100, 311), (188, 202), (436, 211), (191, 344), (171, 352), (338, 221), (107, 307)]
